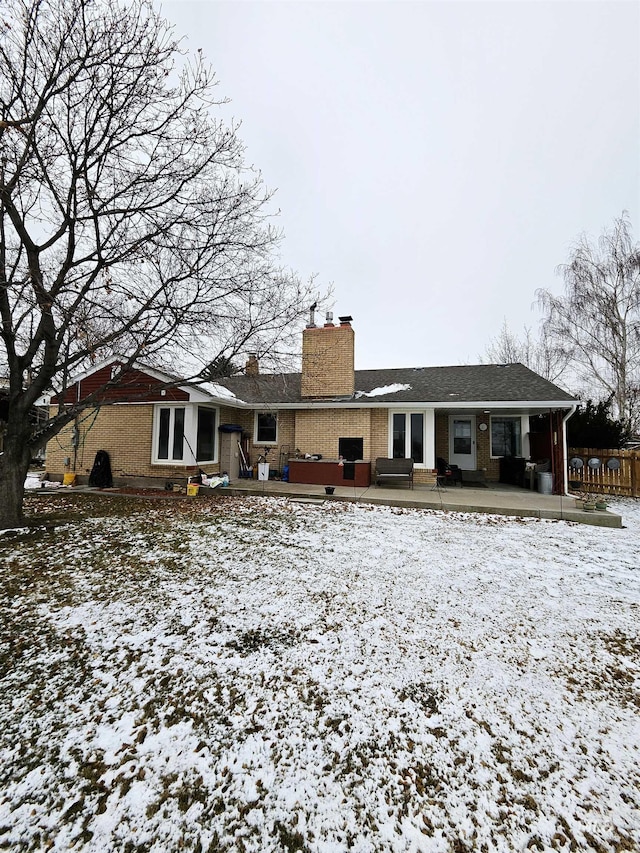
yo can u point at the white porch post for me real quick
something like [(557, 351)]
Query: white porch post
[(526, 443), (430, 438)]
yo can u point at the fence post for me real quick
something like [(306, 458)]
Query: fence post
[(635, 464)]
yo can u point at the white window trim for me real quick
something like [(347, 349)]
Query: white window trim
[(524, 433), (428, 425), (257, 441), (190, 435)]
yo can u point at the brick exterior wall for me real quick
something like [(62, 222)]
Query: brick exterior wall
[(379, 434), (124, 431), (328, 355), (442, 435), (318, 431), (286, 434), (241, 417), (485, 463)]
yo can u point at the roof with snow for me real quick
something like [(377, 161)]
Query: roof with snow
[(462, 383)]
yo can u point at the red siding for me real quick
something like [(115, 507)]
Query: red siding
[(133, 386)]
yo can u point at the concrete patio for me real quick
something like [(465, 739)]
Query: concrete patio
[(502, 500), (498, 499)]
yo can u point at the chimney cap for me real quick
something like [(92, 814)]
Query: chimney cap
[(345, 320)]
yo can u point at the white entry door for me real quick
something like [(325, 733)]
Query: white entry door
[(462, 441)]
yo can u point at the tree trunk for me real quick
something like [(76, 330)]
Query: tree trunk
[(14, 464)]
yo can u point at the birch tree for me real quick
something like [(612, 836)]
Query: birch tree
[(597, 319)]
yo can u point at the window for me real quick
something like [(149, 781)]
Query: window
[(266, 431), (506, 436), (206, 435), (171, 434), (408, 436), (184, 435)]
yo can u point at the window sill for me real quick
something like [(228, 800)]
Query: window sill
[(180, 463)]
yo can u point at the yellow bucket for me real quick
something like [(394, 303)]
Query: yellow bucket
[(192, 489)]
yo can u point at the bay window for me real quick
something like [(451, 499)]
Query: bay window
[(184, 435)]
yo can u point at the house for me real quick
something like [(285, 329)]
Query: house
[(487, 418)]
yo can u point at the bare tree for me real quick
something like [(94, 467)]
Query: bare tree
[(597, 320), (506, 347), (541, 354), (128, 220)]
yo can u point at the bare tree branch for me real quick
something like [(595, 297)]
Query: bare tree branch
[(129, 222), (542, 355), (597, 319)]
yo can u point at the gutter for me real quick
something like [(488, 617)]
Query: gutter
[(533, 406)]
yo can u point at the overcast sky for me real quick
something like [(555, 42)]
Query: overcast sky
[(434, 161)]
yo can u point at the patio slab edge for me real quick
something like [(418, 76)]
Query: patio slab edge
[(596, 518)]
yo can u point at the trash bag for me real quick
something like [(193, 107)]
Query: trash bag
[(100, 476)]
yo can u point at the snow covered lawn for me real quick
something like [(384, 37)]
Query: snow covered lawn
[(258, 675)]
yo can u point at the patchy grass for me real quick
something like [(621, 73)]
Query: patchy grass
[(255, 675)]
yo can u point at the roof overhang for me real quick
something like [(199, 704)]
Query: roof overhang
[(449, 405)]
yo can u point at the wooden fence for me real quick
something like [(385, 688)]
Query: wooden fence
[(611, 472)]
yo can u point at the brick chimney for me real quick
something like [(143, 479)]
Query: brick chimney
[(328, 359), (252, 367)]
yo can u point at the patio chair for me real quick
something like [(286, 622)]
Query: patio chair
[(448, 473)]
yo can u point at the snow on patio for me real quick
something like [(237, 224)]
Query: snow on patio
[(256, 675)]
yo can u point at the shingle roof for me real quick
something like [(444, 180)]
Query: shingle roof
[(452, 385)]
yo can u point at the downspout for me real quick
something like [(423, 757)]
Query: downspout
[(75, 435), (565, 452)]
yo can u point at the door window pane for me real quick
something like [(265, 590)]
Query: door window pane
[(205, 439), (417, 437), (399, 435), (462, 437)]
